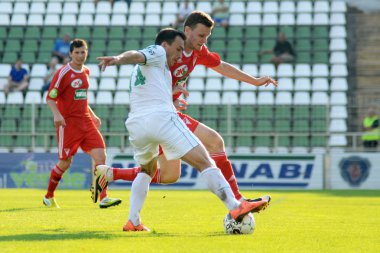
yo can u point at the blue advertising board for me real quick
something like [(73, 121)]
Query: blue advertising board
[(32, 170)]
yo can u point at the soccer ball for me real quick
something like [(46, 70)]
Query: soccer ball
[(246, 226)]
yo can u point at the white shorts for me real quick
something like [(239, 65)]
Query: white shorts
[(159, 128)]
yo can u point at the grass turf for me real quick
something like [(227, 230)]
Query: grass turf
[(190, 221)]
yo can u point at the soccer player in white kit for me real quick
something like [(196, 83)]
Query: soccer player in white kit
[(153, 121)]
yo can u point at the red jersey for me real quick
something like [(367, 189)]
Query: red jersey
[(69, 88), (182, 69)]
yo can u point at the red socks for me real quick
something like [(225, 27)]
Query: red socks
[(129, 174), (226, 168), (55, 177)]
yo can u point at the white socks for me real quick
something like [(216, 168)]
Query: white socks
[(139, 191), (220, 187)]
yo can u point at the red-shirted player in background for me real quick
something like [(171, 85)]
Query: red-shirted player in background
[(197, 28), (76, 124)]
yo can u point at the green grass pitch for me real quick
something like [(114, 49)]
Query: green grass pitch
[(190, 221)]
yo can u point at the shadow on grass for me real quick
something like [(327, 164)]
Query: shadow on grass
[(83, 235), (58, 237), (18, 209)]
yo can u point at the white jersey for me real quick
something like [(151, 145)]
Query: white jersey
[(151, 84)]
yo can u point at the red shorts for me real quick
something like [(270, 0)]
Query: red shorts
[(191, 123), (78, 133)]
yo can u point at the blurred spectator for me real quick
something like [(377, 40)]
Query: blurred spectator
[(17, 79), (50, 74), (62, 48), (371, 129), (283, 51), (220, 13), (184, 10)]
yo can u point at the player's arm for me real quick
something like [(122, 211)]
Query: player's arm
[(58, 118), (95, 118), (230, 71), (128, 57)]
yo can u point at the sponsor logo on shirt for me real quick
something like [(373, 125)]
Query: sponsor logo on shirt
[(53, 93), (80, 94), (76, 83), (180, 71)]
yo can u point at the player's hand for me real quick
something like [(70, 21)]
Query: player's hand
[(180, 104), (266, 80), (180, 89), (59, 120), (107, 61)]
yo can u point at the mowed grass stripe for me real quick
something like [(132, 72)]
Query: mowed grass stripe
[(190, 221)]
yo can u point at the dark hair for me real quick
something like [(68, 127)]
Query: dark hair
[(77, 43), (199, 17), (168, 35)]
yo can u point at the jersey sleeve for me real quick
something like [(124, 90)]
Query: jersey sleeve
[(56, 85), (154, 55), (207, 58)]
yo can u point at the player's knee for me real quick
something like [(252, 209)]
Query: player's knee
[(215, 143)]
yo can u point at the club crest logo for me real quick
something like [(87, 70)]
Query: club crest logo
[(354, 170), (76, 83), (181, 71)]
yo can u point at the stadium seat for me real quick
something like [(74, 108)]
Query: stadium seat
[(320, 84), (302, 70), (301, 98), (87, 8), (252, 20), (170, 7), (33, 97), (85, 20), (304, 19), (15, 97), (213, 84), (319, 98), (304, 6), (35, 20), (338, 6), (238, 19), (302, 84), (120, 7), (338, 98), (103, 7), (287, 19), (337, 19), (283, 98), (118, 20), (265, 98), (337, 140), (123, 84), (195, 98), (339, 84), (18, 19), (320, 70), (321, 6), (339, 70), (285, 70), (338, 112), (52, 19), (269, 19), (4, 20), (247, 98), (6, 8), (107, 83), (338, 32), (102, 19), (121, 97), (230, 97)]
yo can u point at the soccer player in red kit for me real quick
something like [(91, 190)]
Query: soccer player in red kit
[(197, 27), (76, 124)]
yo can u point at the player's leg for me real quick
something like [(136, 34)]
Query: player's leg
[(55, 177), (215, 146), (67, 147), (168, 172), (93, 144), (178, 141), (139, 192)]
